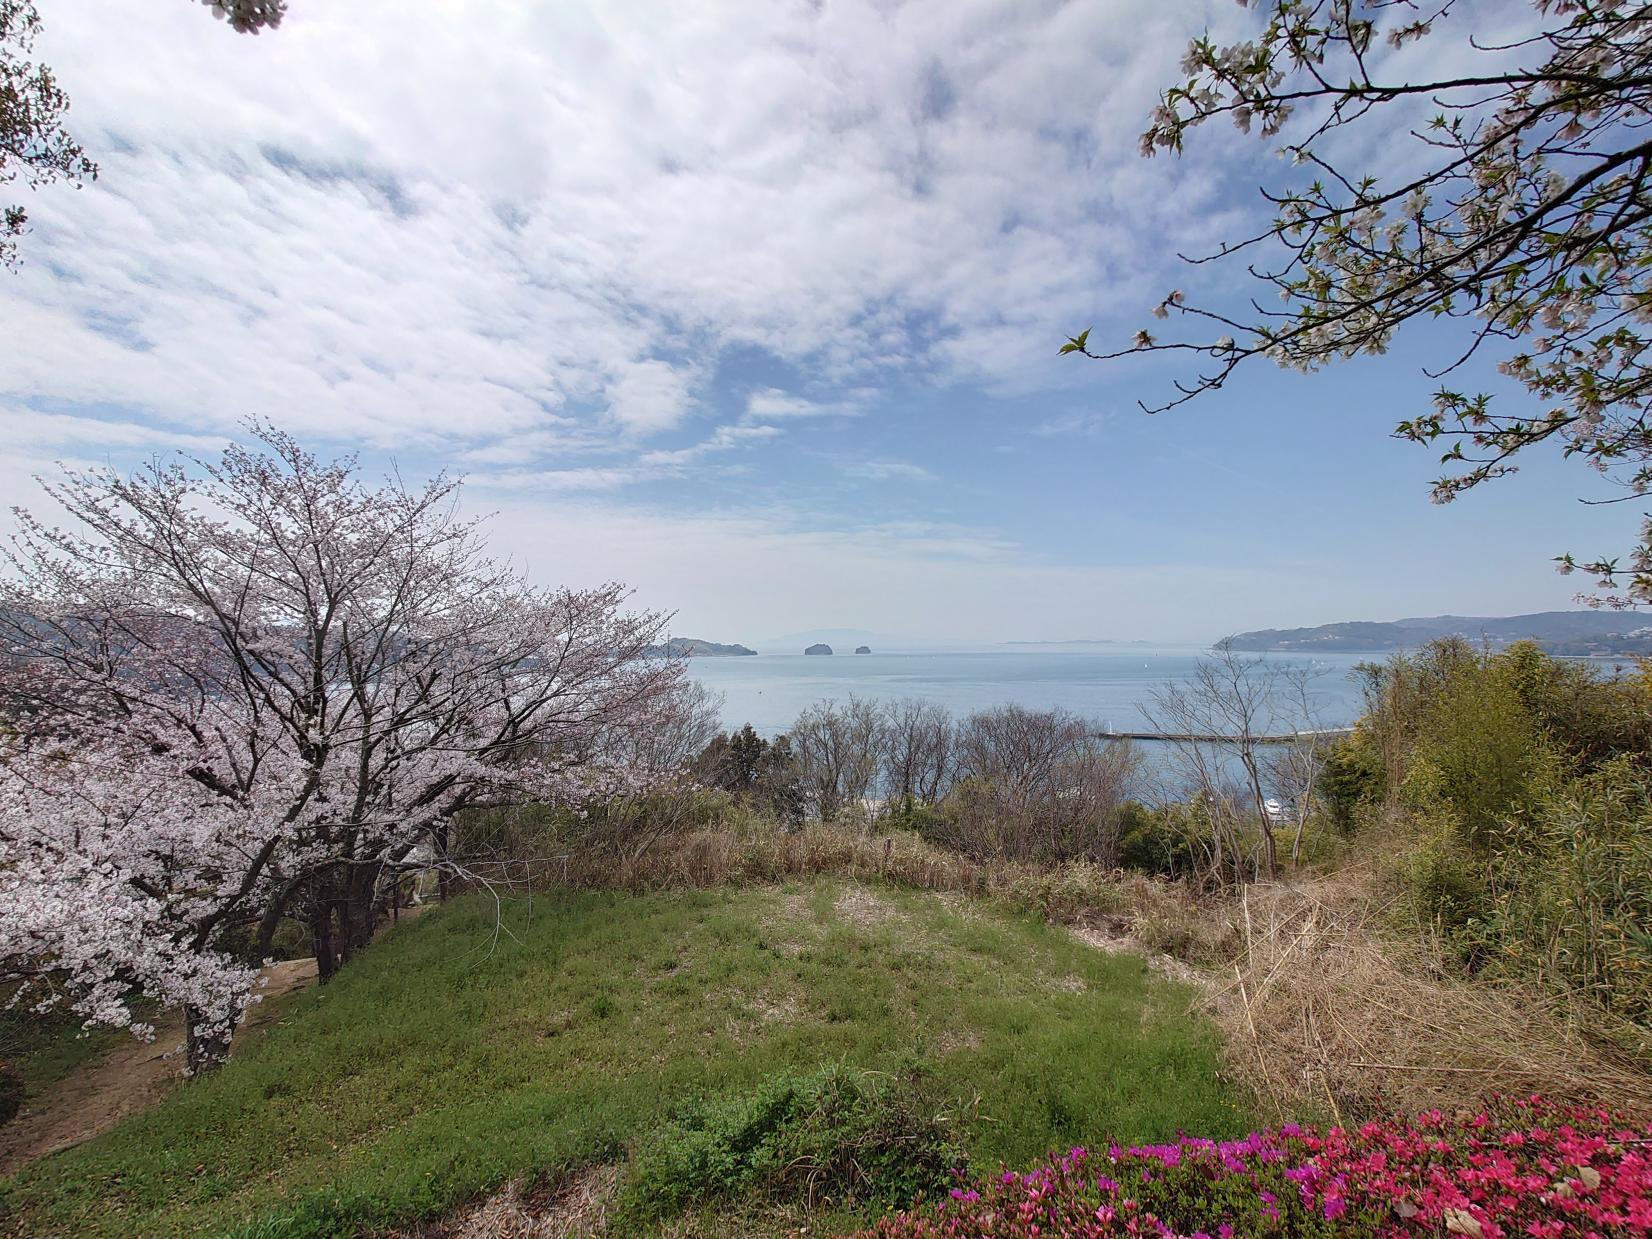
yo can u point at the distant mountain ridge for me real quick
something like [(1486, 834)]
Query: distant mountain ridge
[(1573, 633)]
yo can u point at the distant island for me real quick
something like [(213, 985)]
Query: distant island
[(820, 647), (693, 647), (1574, 634), (863, 649)]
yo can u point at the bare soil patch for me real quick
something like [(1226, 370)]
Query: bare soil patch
[(864, 909), (574, 1206), (131, 1077), (1114, 941)]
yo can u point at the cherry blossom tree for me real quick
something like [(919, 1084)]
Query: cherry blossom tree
[(249, 16), (1522, 205), (259, 687)]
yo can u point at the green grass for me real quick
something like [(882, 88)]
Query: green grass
[(446, 1061)]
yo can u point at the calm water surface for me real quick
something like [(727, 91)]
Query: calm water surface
[(1107, 684)]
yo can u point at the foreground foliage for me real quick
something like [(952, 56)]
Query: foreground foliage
[(836, 1136), (1523, 1168)]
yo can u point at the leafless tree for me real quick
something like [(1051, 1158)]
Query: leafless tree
[(918, 754), (837, 747), (1217, 721), (668, 735), (1293, 768), (660, 745), (1038, 785)]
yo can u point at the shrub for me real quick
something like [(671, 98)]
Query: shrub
[(1350, 780), (1444, 885), (1482, 751), (1529, 784), (756, 772), (507, 842), (1037, 787), (836, 1136), (1519, 1169), (1155, 842), (1571, 891), (11, 1092)]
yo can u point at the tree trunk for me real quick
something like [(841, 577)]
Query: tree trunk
[(357, 906), (444, 882), (206, 1044), (343, 908), (321, 932)]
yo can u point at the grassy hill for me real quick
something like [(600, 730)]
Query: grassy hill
[(452, 1058)]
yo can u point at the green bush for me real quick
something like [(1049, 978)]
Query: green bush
[(834, 1137), (1529, 781), (1572, 890), (546, 833), (1479, 752), (1155, 842), (1350, 781), (923, 820), (1445, 888)]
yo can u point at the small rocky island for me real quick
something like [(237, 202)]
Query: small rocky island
[(863, 649), (819, 648)]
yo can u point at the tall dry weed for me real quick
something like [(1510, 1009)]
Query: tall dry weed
[(1328, 1006)]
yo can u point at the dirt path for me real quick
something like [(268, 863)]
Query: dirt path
[(131, 1077)]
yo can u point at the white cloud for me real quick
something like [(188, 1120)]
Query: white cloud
[(22, 429), (1082, 424), (722, 439), (735, 575), (648, 396), (649, 466), (771, 404), (444, 227), (552, 242), (887, 470), (556, 480)]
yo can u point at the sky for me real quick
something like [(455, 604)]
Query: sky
[(753, 307)]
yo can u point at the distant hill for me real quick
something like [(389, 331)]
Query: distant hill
[(1571, 633), (693, 647)]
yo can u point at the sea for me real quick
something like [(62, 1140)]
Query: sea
[(1107, 684)]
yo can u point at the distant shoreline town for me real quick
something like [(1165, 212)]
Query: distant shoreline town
[(1571, 634)]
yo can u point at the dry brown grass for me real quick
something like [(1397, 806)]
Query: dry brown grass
[(1073, 893), (1325, 1006), (721, 856)]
